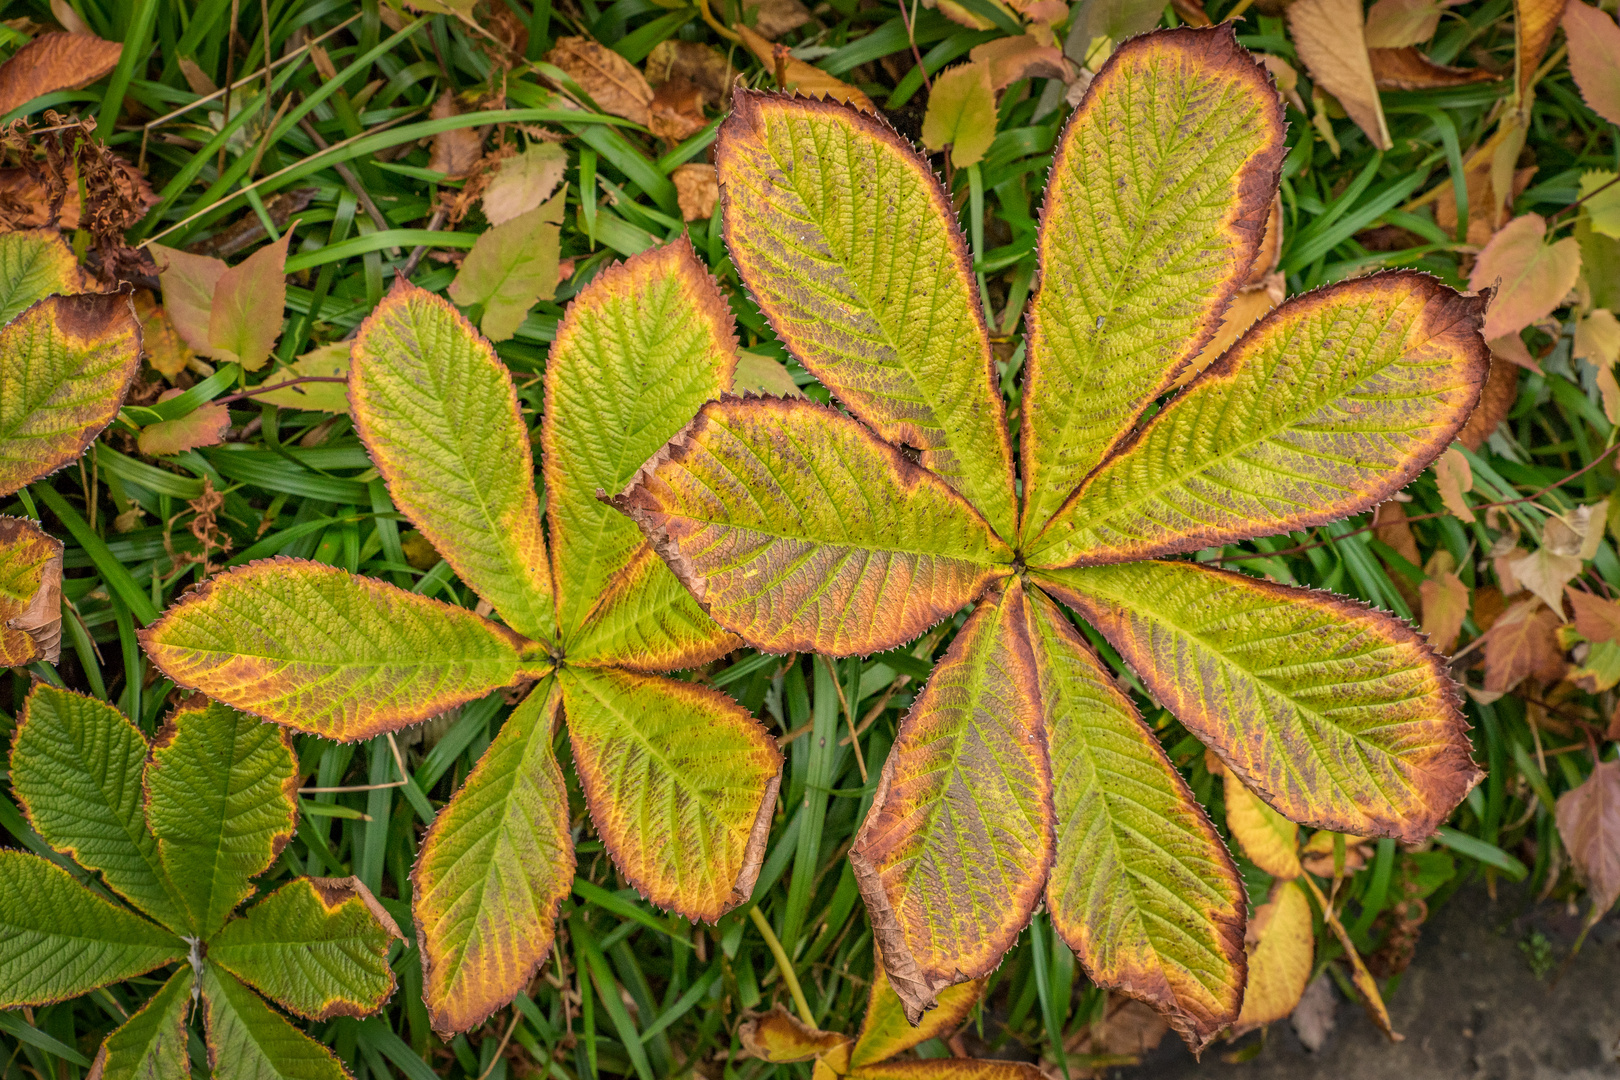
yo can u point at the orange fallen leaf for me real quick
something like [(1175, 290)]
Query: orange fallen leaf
[(1496, 400), (1531, 276), (1025, 56), (1328, 34), (1534, 23), (697, 63), (676, 110), (1445, 605), (52, 62), (1594, 57), (1523, 644), (1454, 476)]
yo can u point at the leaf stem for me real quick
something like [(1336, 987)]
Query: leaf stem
[(783, 965)]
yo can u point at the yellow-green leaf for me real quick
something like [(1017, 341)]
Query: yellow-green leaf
[(76, 768), (59, 940), (30, 594), (1155, 211), (326, 652), (245, 312), (248, 1040), (681, 785), (439, 414), (780, 1037), (316, 946), (151, 1045), (886, 1032), (221, 794), (1280, 957), (1142, 889), (954, 853), (511, 267), (642, 347), (34, 263), (1336, 714), (646, 620), (65, 365), (798, 529), (1326, 407), (851, 249), (324, 361), (492, 870), (961, 114)]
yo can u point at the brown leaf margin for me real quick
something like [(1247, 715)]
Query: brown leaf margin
[(40, 621)]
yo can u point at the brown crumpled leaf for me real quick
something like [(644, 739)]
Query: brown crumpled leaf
[(204, 426), (1589, 824), (791, 73), (52, 62), (30, 593), (780, 1037), (1523, 644), (776, 17), (1328, 35), (695, 62), (456, 151), (25, 200), (1445, 603), (1027, 56), (697, 188), (611, 81), (1409, 69), (676, 111)]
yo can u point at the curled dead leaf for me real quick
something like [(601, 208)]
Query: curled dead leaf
[(773, 18), (695, 62), (1025, 56), (30, 593), (697, 189), (1328, 35), (791, 73), (1408, 69)]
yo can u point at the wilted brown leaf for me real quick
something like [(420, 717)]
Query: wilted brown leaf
[(780, 1037), (161, 343), (1286, 78), (1523, 644), (676, 111), (1596, 619), (1589, 824), (1328, 35), (1409, 69), (456, 151), (1486, 211), (25, 200), (697, 188), (204, 426), (1316, 1015), (1534, 23), (1026, 56), (612, 81), (52, 62), (1390, 526), (1532, 277), (697, 63), (775, 17), (1445, 605), (1594, 57), (794, 74)]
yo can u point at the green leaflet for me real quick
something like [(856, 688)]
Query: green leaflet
[(636, 355), (248, 1040), (316, 946), (151, 1045), (1327, 407), (646, 620), (955, 850), (1141, 887), (439, 415), (1154, 212), (1336, 714), (65, 364), (321, 650), (34, 263), (492, 870), (851, 249), (221, 800), (799, 530), (673, 775), (511, 266), (76, 767), (58, 939)]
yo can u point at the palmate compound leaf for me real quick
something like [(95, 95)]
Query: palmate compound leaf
[(248, 1040), (1141, 888), (316, 946), (1157, 205), (1327, 406), (849, 246), (30, 594), (151, 1045), (954, 852), (673, 775), (798, 529), (65, 365), (76, 768), (1338, 715), (641, 349), (492, 870), (59, 940), (34, 263), (221, 798), (321, 650), (439, 415)]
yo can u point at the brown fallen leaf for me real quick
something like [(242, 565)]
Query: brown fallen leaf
[(612, 81), (1496, 400), (697, 188), (1328, 34), (520, 183), (161, 343), (695, 62), (1531, 276), (204, 426), (1391, 527), (25, 200), (1589, 824), (52, 62), (1395, 24), (1486, 210), (1409, 69), (1454, 476), (1445, 605), (456, 151), (1534, 23), (676, 111), (70, 20), (1025, 56), (1317, 854), (1594, 58), (1523, 644), (791, 73), (773, 18), (196, 78), (30, 593)]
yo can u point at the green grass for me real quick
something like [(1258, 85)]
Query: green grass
[(631, 991)]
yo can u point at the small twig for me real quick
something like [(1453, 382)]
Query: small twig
[(404, 777), (353, 181), (783, 966), (715, 24), (230, 61), (435, 223), (1576, 204), (256, 390)]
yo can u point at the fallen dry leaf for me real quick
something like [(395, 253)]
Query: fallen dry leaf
[(204, 426), (791, 73), (1609, 389), (1545, 572), (70, 20), (1328, 35), (161, 343), (1594, 58), (697, 188), (1281, 950), (1523, 644), (695, 62), (1597, 338), (1409, 69), (1445, 605), (612, 81), (1316, 1015), (1025, 56), (676, 111), (1596, 619), (775, 17), (1395, 24), (1454, 476), (1390, 526), (1589, 824), (456, 151), (52, 62), (1531, 276), (523, 182), (1485, 211)]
